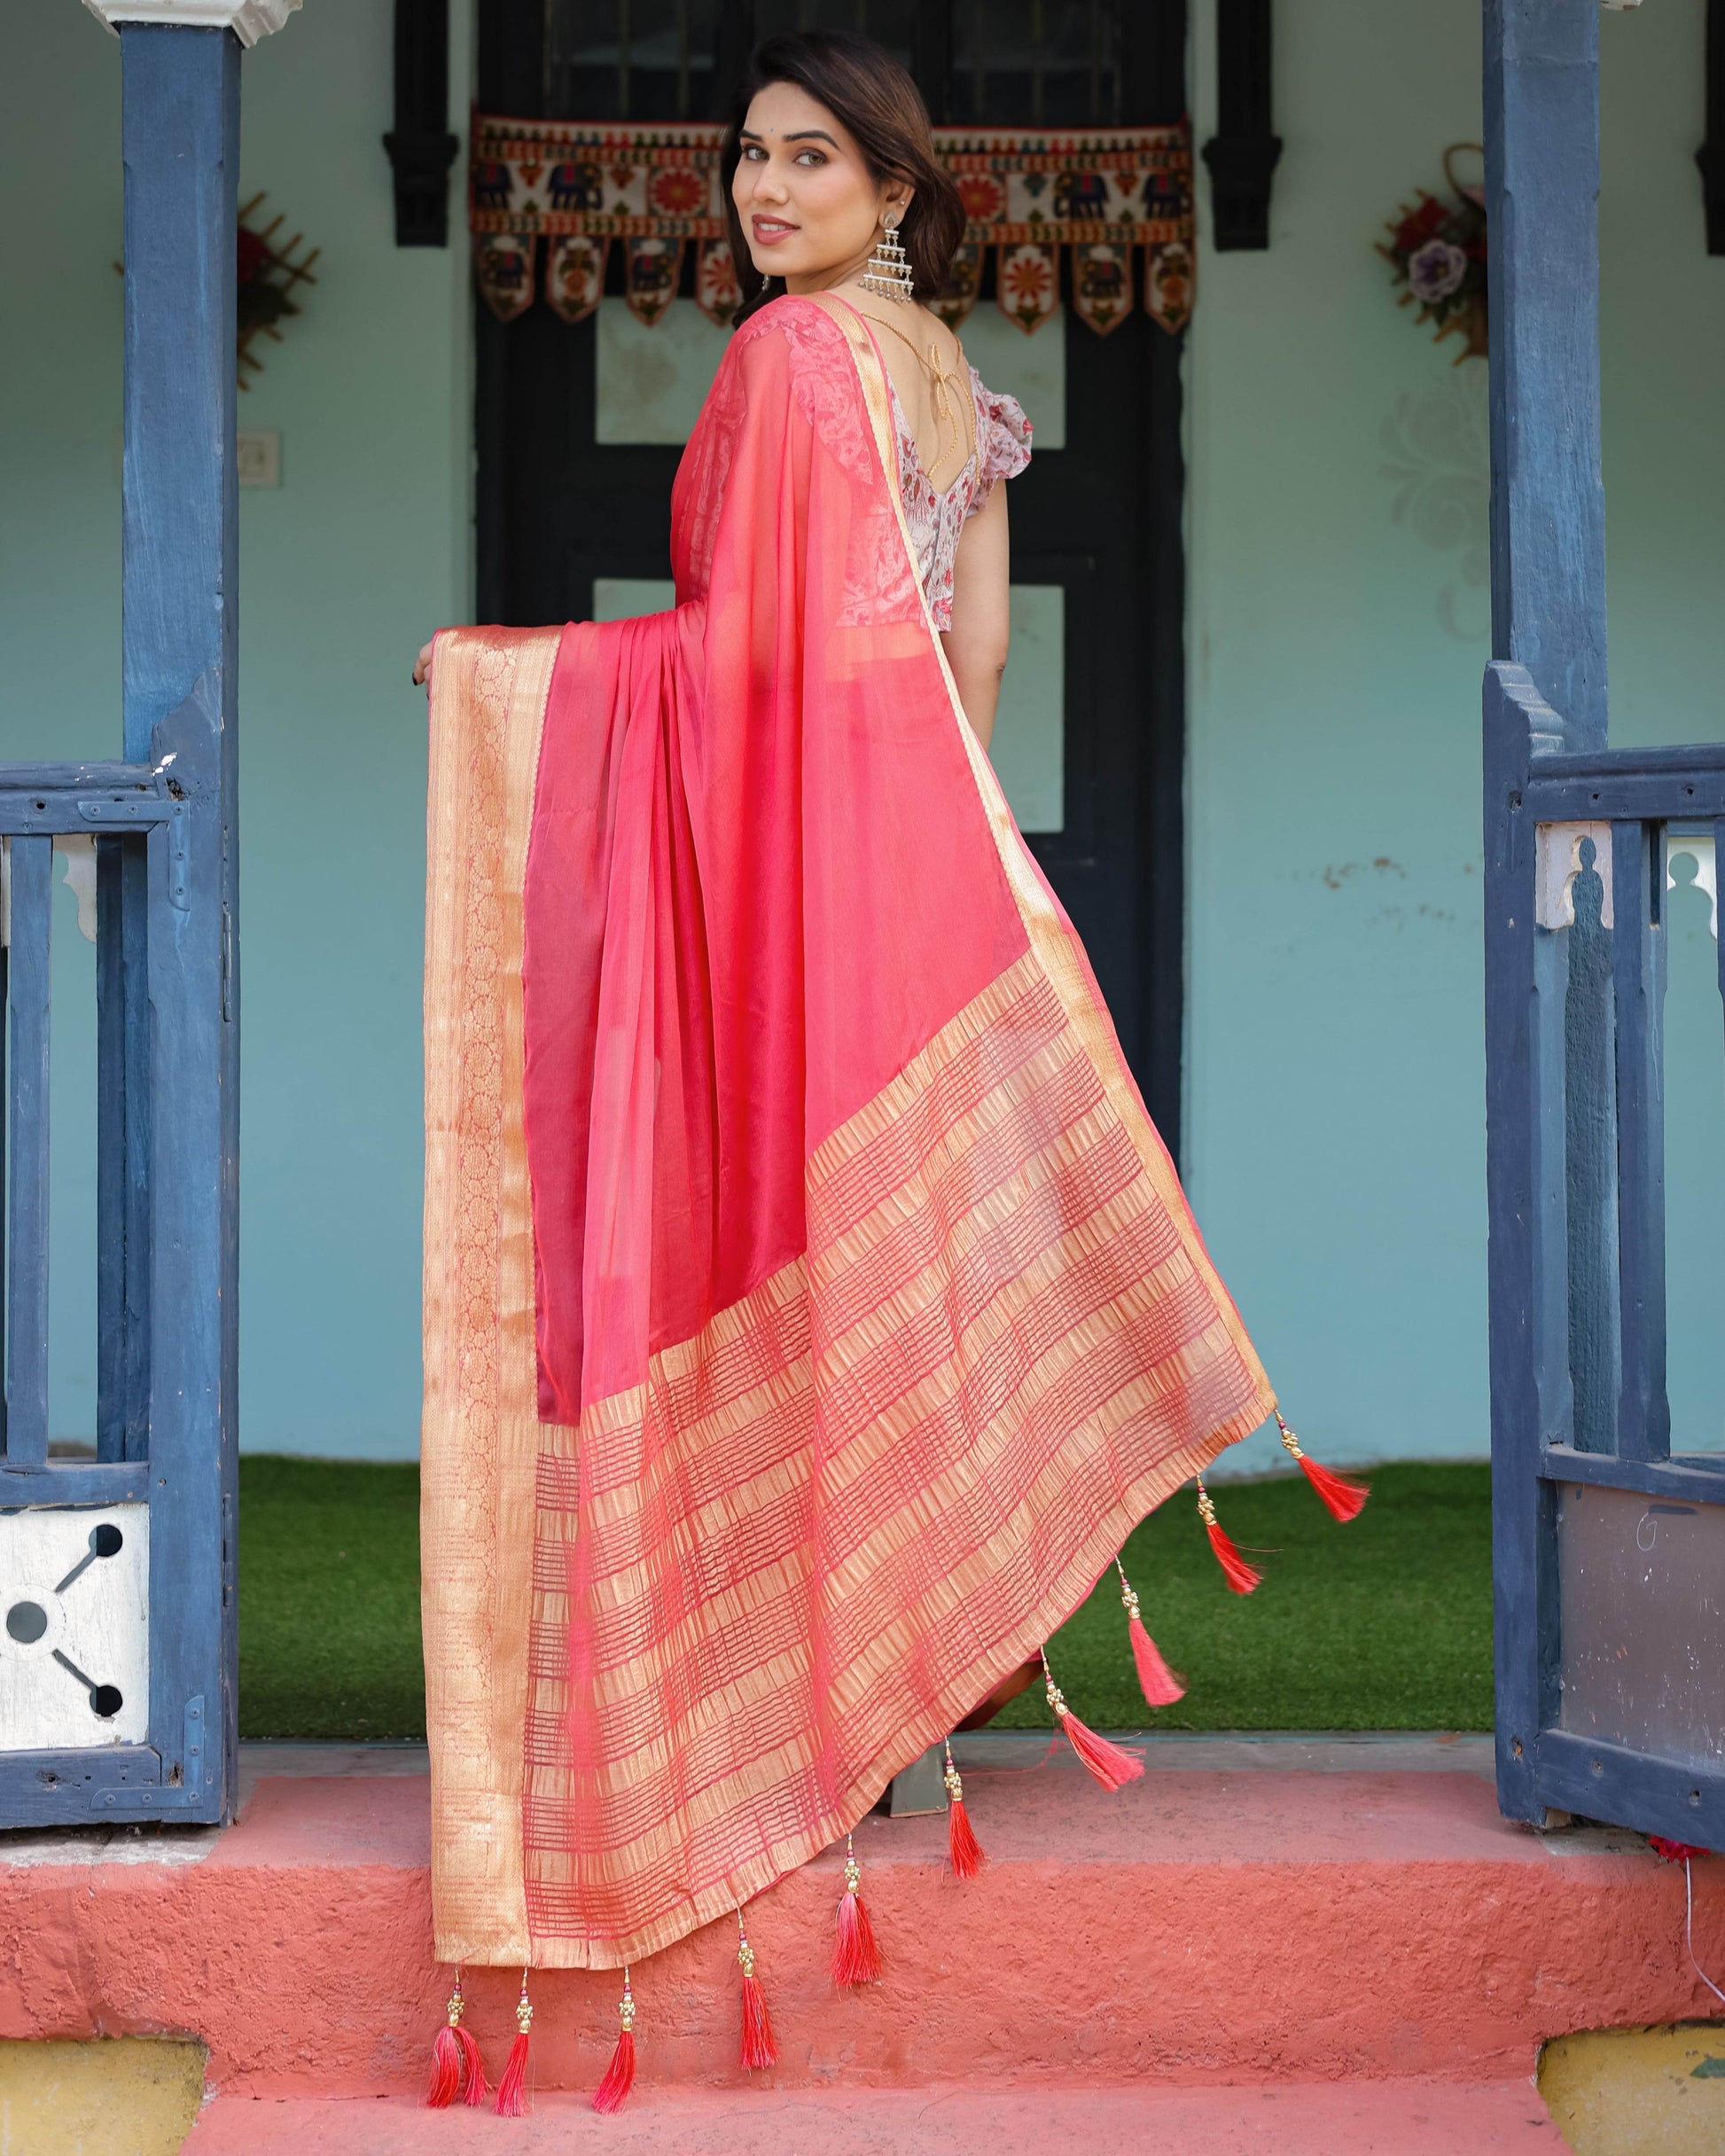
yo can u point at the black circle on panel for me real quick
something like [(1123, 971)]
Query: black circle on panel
[(106, 1700), (27, 1622), (106, 1540)]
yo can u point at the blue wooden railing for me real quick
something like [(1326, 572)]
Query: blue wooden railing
[(1609, 1682), (164, 823), (1607, 1552), (131, 813)]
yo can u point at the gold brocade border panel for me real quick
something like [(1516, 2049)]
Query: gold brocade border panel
[(1101, 197)]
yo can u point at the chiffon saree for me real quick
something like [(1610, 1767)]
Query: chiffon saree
[(810, 1307)]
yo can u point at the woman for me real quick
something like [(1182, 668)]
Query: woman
[(811, 1309)]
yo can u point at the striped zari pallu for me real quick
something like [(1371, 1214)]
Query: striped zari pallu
[(811, 1309)]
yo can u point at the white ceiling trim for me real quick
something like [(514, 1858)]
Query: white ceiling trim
[(248, 20)]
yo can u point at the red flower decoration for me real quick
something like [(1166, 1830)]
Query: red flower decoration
[(252, 255), (982, 196), (677, 193), (1420, 225)]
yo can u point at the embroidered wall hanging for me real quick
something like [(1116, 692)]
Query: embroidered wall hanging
[(1438, 253), (1101, 196), (269, 270)]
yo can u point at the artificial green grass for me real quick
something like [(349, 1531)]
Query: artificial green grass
[(1382, 1624), (329, 1599)]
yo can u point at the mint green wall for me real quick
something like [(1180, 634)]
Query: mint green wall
[(1337, 519), (344, 570), (1335, 1126)]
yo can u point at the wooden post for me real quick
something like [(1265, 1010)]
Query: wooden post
[(1545, 691), (181, 139), (1547, 506)]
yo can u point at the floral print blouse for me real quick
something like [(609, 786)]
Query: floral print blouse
[(1002, 451)]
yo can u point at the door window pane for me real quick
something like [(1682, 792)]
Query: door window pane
[(1033, 368), (1029, 747), (1036, 63), (649, 384), (1642, 1612), (892, 23), (631, 59), (620, 598)]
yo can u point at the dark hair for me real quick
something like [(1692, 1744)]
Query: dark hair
[(862, 85)]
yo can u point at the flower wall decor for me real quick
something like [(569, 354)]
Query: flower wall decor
[(269, 270), (1438, 252)]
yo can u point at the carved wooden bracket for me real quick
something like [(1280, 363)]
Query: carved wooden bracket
[(1242, 154), (421, 148), (1711, 155)]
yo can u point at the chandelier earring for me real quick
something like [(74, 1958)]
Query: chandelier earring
[(889, 271)]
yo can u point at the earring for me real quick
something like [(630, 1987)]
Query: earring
[(888, 272)]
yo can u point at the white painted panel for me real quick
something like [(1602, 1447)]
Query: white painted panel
[(619, 598), (74, 1607), (1033, 368), (650, 383), (1029, 746)]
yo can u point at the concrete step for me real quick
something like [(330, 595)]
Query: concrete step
[(1409, 2118), (1208, 1925)]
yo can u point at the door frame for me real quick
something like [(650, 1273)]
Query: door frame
[(1156, 55)]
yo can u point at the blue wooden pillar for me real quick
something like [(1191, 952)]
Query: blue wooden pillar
[(1548, 507), (181, 141), (1545, 691)]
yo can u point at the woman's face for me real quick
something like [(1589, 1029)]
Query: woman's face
[(809, 209)]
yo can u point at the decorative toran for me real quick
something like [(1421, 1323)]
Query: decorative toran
[(1102, 196)]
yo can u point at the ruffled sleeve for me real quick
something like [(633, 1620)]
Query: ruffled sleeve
[(1002, 449)]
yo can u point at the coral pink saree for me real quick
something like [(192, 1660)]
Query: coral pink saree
[(811, 1309)]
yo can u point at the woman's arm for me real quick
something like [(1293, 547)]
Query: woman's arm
[(976, 643)]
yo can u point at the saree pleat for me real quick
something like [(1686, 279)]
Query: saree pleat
[(846, 1311)]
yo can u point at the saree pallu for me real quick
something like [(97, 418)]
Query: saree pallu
[(810, 1309)]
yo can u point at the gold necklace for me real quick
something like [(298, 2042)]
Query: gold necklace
[(945, 418)]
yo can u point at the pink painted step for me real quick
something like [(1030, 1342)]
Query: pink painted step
[(1409, 2118), (1199, 1928)]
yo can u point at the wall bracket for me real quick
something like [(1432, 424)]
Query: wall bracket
[(1242, 155), (421, 148), (1711, 155)]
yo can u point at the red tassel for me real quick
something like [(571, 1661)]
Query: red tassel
[(478, 2088), (1673, 1852), (445, 2069), (964, 1850), (620, 2074), (1111, 1766), (512, 2090), (1343, 1499), (856, 1958), (455, 2058), (1161, 1687), (1238, 1575), (759, 2049), (1346, 1500)]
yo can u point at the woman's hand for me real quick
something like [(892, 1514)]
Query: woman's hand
[(422, 666)]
